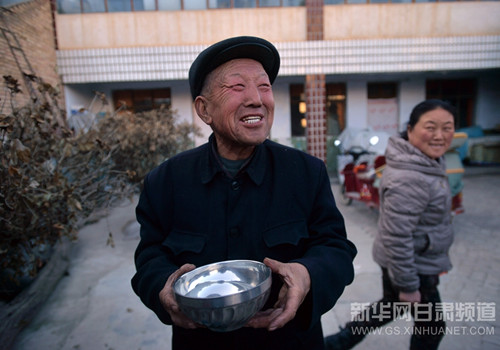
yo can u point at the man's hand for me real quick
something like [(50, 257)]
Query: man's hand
[(167, 299), (296, 285)]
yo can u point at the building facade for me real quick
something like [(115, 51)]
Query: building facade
[(27, 43), (352, 63)]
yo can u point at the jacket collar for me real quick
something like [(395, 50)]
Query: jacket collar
[(401, 154), (211, 164)]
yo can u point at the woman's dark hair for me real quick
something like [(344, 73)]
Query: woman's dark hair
[(427, 106)]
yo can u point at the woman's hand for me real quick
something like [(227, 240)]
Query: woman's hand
[(167, 299), (296, 285)]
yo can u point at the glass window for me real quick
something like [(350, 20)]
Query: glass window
[(69, 6), (357, 1), (383, 108), (382, 90), (294, 3), (11, 2), (401, 1), (119, 6), (90, 6), (148, 5), (195, 4), (269, 3), (169, 5), (335, 108), (335, 121), (461, 93), (219, 4), (298, 110), (138, 5), (144, 5), (142, 100), (333, 2), (244, 3)]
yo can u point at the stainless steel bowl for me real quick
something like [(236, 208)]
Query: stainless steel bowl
[(223, 296)]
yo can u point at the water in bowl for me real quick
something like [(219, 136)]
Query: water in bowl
[(214, 289)]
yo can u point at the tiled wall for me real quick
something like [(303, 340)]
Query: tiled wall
[(316, 117), (315, 87)]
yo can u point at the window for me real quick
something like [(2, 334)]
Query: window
[(94, 6), (195, 4), (461, 93), (335, 109), (287, 3), (119, 5), (383, 108), (244, 3), (141, 100), (298, 110), (169, 5), (269, 3), (335, 118), (144, 5), (89, 6), (219, 4), (382, 90), (73, 6), (335, 122)]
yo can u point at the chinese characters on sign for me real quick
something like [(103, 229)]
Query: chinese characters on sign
[(463, 311)]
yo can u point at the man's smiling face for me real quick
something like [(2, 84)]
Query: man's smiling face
[(238, 103)]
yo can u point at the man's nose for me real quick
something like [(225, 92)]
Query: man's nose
[(253, 96)]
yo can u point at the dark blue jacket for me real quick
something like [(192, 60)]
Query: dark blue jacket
[(281, 206)]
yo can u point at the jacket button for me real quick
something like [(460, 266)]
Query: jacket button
[(235, 185), (234, 232)]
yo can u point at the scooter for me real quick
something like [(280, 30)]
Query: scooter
[(361, 179), (361, 164)]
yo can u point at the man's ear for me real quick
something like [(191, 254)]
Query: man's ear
[(200, 105)]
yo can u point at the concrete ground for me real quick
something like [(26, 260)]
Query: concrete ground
[(94, 307)]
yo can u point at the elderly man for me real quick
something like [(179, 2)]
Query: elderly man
[(242, 196)]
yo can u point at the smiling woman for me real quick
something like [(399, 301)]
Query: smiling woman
[(431, 128), (415, 231)]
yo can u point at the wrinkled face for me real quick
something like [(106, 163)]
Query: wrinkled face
[(433, 132), (238, 104)]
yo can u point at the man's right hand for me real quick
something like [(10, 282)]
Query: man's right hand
[(167, 299)]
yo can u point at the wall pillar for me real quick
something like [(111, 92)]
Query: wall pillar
[(315, 88), (316, 115)]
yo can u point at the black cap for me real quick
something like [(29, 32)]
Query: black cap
[(229, 49)]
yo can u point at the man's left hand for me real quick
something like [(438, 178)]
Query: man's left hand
[(296, 285)]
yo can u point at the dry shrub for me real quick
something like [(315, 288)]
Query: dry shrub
[(52, 179), (145, 139)]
